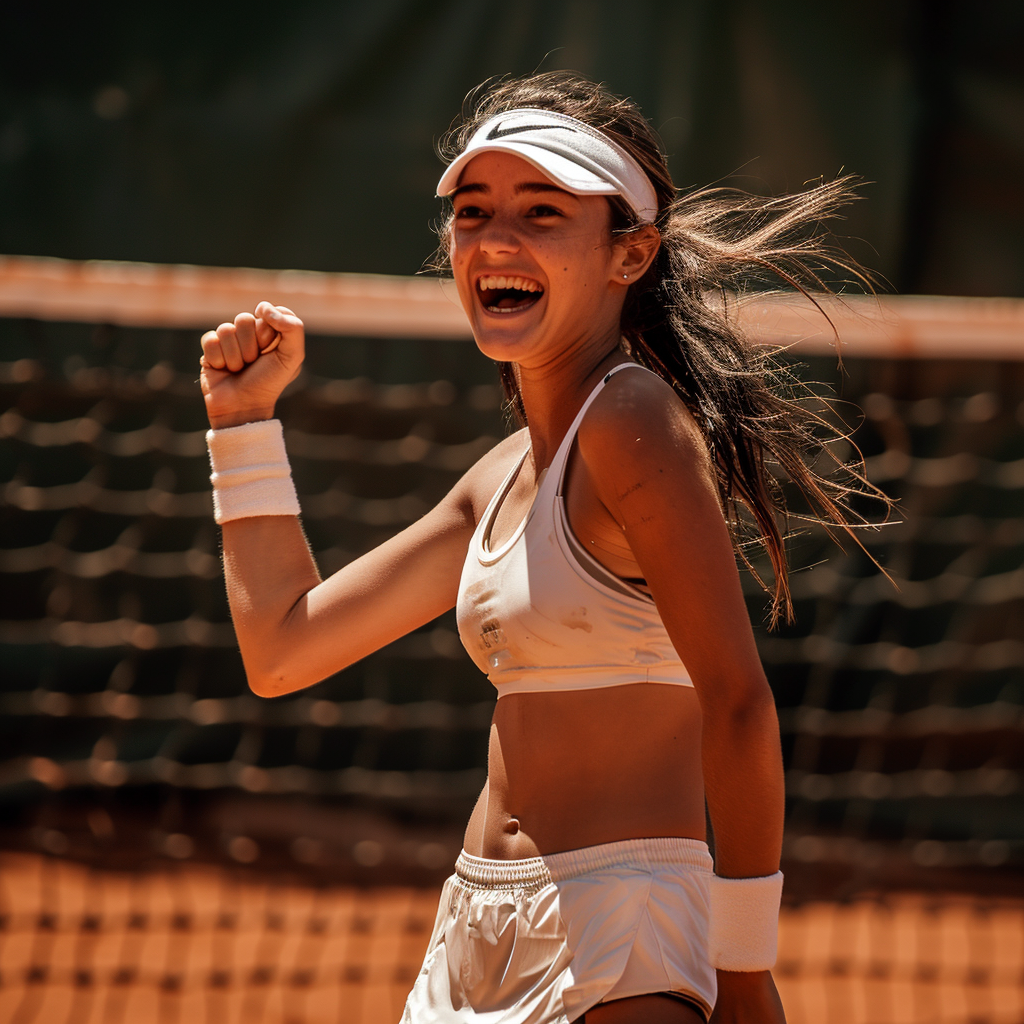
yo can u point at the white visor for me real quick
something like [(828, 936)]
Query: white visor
[(581, 159)]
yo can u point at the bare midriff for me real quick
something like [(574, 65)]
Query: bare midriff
[(584, 767)]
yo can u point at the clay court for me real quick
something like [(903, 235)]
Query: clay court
[(206, 945)]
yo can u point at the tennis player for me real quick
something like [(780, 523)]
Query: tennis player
[(591, 557)]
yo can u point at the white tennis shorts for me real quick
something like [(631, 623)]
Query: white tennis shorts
[(541, 941)]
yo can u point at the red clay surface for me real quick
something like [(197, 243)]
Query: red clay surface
[(205, 945)]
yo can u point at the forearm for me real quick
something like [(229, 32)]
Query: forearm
[(745, 793), (743, 778), (268, 570)]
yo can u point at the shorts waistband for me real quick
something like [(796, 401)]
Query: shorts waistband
[(559, 867)]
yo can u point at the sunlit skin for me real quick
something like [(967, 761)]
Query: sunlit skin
[(569, 769)]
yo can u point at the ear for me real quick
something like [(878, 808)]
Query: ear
[(633, 253)]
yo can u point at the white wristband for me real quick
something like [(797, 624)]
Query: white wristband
[(744, 926), (251, 475)]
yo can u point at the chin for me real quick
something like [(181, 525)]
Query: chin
[(501, 351), (504, 343)]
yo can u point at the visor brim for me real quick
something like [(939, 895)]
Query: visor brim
[(558, 169)]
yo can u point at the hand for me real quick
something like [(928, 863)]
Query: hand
[(246, 364), (747, 997)]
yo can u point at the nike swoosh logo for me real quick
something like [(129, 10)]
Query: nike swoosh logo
[(497, 132)]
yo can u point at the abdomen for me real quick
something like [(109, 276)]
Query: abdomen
[(581, 768)]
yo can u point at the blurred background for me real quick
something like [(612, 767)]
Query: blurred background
[(173, 846)]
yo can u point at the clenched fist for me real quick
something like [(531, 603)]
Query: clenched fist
[(248, 363)]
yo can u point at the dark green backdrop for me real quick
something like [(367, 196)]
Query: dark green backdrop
[(301, 134)]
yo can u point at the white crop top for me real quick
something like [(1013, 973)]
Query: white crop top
[(539, 613)]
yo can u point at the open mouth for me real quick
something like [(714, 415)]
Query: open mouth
[(508, 294)]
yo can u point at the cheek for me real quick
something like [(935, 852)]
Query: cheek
[(457, 257), (454, 249), (578, 274)]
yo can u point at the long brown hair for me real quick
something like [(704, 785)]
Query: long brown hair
[(677, 319)]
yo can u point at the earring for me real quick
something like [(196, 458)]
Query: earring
[(625, 277)]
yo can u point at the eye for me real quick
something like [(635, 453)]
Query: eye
[(469, 212), (544, 210)]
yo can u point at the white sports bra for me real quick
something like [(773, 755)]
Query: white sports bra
[(539, 613)]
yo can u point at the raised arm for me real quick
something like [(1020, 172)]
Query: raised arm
[(293, 628), (651, 469)]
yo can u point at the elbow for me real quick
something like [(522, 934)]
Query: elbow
[(283, 660), (272, 677), (272, 660), (741, 709), (264, 685), (262, 682), (284, 669), (275, 684)]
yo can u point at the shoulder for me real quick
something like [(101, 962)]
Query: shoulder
[(649, 464), (638, 420)]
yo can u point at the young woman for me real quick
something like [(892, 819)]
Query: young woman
[(591, 557)]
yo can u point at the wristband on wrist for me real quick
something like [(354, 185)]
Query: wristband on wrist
[(743, 934), (251, 475)]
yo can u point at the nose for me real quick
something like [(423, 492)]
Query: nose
[(498, 238)]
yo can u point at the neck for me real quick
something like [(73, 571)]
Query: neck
[(554, 391)]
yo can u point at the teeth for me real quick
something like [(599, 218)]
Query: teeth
[(493, 282)]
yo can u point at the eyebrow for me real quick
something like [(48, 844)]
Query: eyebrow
[(520, 189)]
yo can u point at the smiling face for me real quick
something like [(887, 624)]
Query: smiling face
[(537, 268)]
